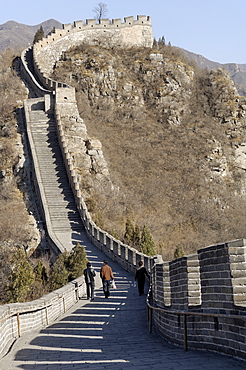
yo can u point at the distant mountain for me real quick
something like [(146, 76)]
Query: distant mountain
[(15, 35), (237, 71)]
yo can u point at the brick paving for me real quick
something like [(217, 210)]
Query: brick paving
[(108, 334)]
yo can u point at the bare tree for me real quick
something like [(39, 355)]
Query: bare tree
[(100, 11)]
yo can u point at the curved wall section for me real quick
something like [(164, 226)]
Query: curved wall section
[(108, 32)]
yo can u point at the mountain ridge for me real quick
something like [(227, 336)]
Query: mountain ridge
[(14, 35), (237, 71)]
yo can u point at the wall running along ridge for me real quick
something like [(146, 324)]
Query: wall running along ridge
[(20, 318), (211, 283), (108, 32)]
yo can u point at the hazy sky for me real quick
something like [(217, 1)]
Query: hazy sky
[(215, 29)]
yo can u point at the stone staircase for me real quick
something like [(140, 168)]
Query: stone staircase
[(64, 218)]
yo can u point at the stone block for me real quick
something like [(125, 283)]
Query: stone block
[(117, 22), (78, 24), (129, 20), (91, 22), (237, 243)]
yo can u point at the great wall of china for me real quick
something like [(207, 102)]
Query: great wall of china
[(197, 300)]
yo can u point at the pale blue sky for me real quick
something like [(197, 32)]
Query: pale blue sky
[(215, 29)]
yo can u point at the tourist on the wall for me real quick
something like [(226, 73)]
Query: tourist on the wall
[(140, 277), (90, 274), (106, 274)]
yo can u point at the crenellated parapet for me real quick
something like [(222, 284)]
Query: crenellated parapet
[(213, 279), (128, 21), (130, 32), (210, 288)]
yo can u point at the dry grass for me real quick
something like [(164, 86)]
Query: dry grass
[(164, 173), (13, 213), (15, 228)]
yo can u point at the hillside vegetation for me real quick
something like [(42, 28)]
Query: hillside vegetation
[(13, 213), (17, 226), (170, 134)]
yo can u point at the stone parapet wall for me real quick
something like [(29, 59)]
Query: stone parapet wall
[(28, 77), (18, 319), (214, 278), (65, 110), (210, 287)]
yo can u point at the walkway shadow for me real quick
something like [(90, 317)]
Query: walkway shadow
[(112, 334), (99, 333)]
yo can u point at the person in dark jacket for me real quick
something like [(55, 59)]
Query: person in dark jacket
[(90, 274), (140, 277), (106, 275)]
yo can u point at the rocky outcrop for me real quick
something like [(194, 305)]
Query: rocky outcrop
[(120, 90), (86, 153), (170, 125)]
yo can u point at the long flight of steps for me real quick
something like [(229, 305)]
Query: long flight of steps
[(64, 217)]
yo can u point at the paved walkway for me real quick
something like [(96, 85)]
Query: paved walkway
[(108, 334)]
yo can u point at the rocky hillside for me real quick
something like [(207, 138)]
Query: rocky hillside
[(174, 139), (16, 223), (236, 71), (18, 227)]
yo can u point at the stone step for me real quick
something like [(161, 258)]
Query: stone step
[(51, 167), (62, 209), (44, 129), (70, 212)]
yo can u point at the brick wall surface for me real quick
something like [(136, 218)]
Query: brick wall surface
[(208, 291), (20, 318)]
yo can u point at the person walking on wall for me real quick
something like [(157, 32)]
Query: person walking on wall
[(90, 274), (140, 277), (106, 275)]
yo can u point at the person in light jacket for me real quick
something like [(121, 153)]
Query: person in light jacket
[(106, 275), (90, 274)]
